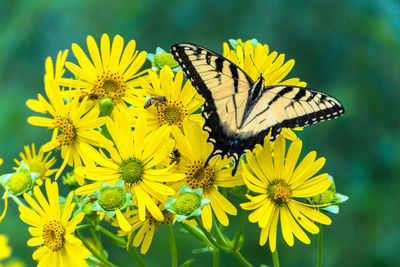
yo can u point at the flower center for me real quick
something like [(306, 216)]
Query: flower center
[(186, 203), (199, 177), (53, 235), (67, 130), (19, 182), (279, 192), (171, 112), (165, 59), (132, 171), (111, 198), (110, 84)]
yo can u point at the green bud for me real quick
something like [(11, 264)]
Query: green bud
[(106, 106)]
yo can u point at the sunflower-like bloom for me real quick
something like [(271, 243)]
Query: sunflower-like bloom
[(276, 183), (73, 124), (147, 228), (52, 229), (257, 59), (37, 162), (194, 151), (110, 71), (134, 160), (179, 105)]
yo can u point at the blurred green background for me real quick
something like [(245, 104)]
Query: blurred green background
[(348, 49)]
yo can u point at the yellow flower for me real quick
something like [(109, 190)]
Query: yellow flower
[(194, 149), (147, 228), (111, 71), (38, 163), (180, 102), (74, 126), (52, 229), (5, 250), (134, 160), (1, 161), (257, 60), (276, 183)]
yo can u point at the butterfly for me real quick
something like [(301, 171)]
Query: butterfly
[(240, 112)]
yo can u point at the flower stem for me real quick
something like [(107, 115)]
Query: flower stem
[(275, 258), (215, 258), (239, 230), (94, 252), (209, 237), (97, 242), (241, 259), (16, 200), (120, 241), (139, 260), (196, 233), (172, 245), (319, 259), (218, 234)]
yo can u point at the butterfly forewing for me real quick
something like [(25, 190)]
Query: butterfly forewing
[(239, 112)]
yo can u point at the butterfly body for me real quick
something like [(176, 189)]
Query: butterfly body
[(240, 112)]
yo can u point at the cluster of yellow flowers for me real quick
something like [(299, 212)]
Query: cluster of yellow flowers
[(133, 138)]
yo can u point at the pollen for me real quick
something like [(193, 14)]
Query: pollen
[(111, 198), (19, 182), (154, 223), (279, 192), (132, 171), (199, 177), (186, 203), (67, 129), (53, 235), (171, 112), (111, 85)]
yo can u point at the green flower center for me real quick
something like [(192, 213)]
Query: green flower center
[(279, 192), (132, 171), (324, 198), (111, 198), (199, 177), (53, 235), (186, 203), (163, 59), (19, 183), (67, 128), (171, 112)]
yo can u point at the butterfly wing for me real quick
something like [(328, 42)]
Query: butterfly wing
[(239, 113), (225, 88)]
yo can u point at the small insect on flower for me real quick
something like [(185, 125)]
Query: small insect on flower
[(90, 96), (154, 101), (175, 156)]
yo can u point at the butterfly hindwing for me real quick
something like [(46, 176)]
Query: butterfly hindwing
[(239, 112)]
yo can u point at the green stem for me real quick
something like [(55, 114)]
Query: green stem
[(319, 259), (83, 226), (239, 230), (196, 233), (16, 200), (97, 242), (172, 245), (120, 241), (241, 259), (215, 257), (209, 237), (218, 234), (139, 260), (94, 252), (275, 258)]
